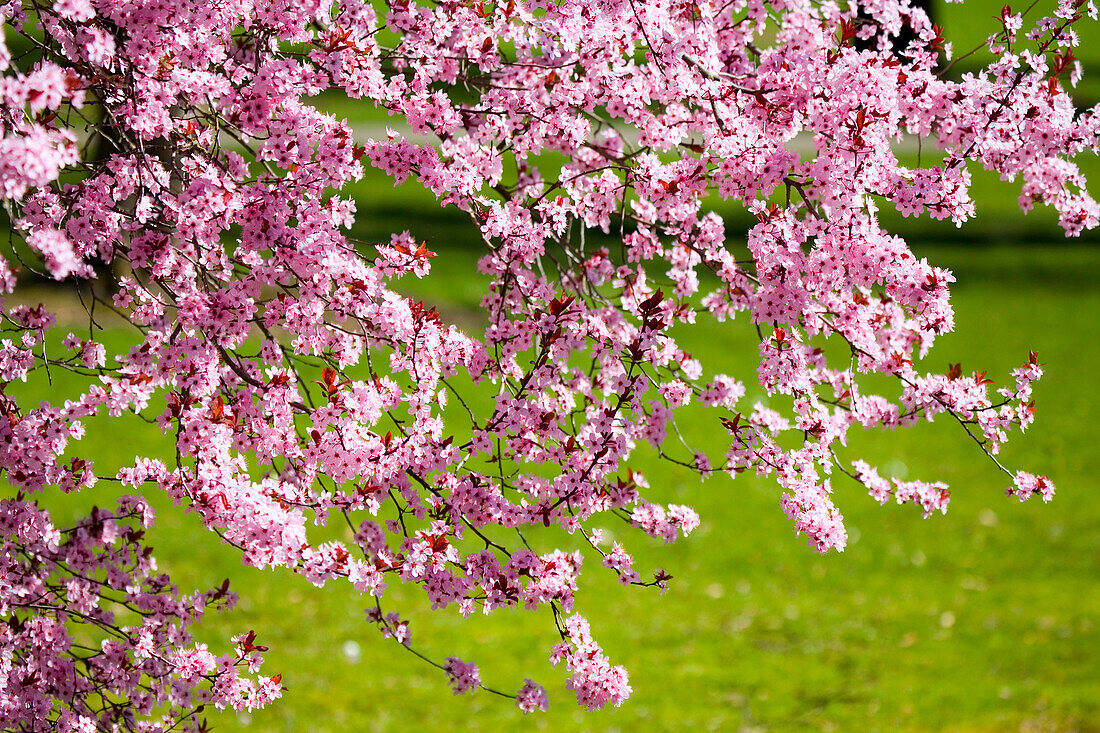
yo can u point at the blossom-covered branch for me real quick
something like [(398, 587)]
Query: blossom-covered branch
[(179, 147)]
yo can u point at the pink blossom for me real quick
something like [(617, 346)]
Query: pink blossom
[(532, 697), (464, 676)]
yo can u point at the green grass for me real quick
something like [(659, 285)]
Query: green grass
[(984, 619)]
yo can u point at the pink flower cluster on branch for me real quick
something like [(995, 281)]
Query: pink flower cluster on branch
[(180, 146), (99, 575)]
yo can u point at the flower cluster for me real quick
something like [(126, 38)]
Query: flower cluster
[(146, 666), (180, 147)]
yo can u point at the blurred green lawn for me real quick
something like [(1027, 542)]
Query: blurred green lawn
[(984, 619), (981, 620)]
